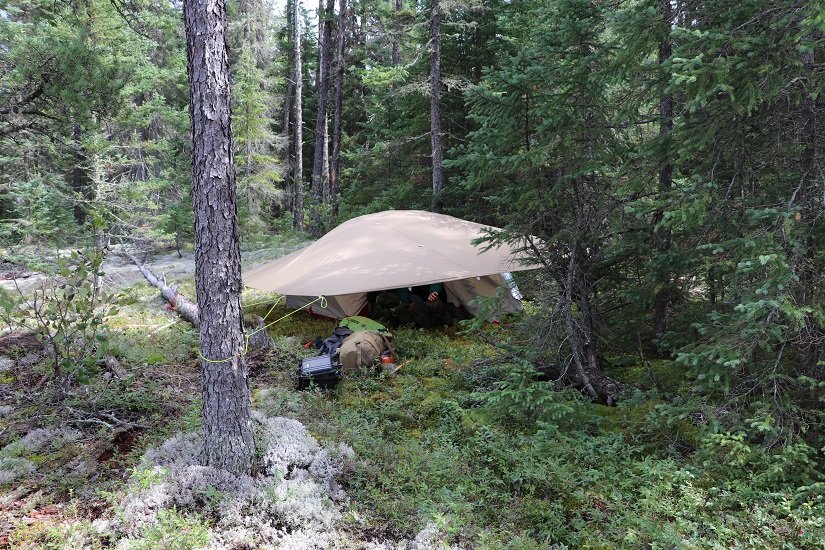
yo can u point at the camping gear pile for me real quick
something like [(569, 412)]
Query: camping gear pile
[(347, 351)]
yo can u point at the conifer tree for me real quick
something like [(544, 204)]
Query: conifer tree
[(338, 105), (320, 187), (259, 175), (435, 105), (298, 167), (545, 127), (227, 422), (746, 147)]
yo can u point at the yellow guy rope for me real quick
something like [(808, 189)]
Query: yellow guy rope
[(322, 299)]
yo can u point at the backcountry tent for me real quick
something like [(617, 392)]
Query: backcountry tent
[(392, 249)]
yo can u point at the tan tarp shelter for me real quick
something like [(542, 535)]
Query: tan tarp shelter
[(392, 249)]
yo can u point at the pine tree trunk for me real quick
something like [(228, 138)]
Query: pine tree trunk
[(287, 151), (811, 337), (325, 157), (318, 181), (80, 180), (298, 177), (227, 422), (435, 106), (288, 127), (335, 161), (396, 39)]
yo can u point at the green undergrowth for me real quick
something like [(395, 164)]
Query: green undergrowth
[(499, 459), (463, 437)]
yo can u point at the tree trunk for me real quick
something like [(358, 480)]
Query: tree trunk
[(811, 337), (287, 128), (664, 294), (80, 180), (328, 12), (227, 418), (318, 180), (298, 177), (335, 163), (287, 152), (435, 106), (396, 39), (577, 334)]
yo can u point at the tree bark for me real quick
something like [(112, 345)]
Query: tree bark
[(810, 339), (608, 391), (328, 12), (335, 161), (580, 350), (287, 151), (396, 39), (288, 127), (664, 294), (298, 177), (321, 143), (435, 106), (80, 179), (227, 417)]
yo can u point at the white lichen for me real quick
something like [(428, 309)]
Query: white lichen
[(287, 443), (12, 468), (427, 539), (181, 448), (42, 438), (291, 504)]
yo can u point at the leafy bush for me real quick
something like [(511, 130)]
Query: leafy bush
[(70, 312)]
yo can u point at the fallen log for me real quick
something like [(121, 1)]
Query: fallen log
[(25, 340), (183, 307), (256, 339)]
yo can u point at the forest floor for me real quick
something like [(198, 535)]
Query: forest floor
[(464, 448), (73, 458)]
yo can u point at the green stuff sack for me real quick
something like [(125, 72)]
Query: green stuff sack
[(363, 348), (357, 322)]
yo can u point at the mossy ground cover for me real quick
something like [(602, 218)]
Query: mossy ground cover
[(435, 446), (461, 438)]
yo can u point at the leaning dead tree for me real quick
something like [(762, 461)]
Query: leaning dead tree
[(188, 310)]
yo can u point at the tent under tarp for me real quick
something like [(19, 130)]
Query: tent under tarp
[(392, 249)]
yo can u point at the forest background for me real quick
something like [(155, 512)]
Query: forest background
[(662, 160)]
